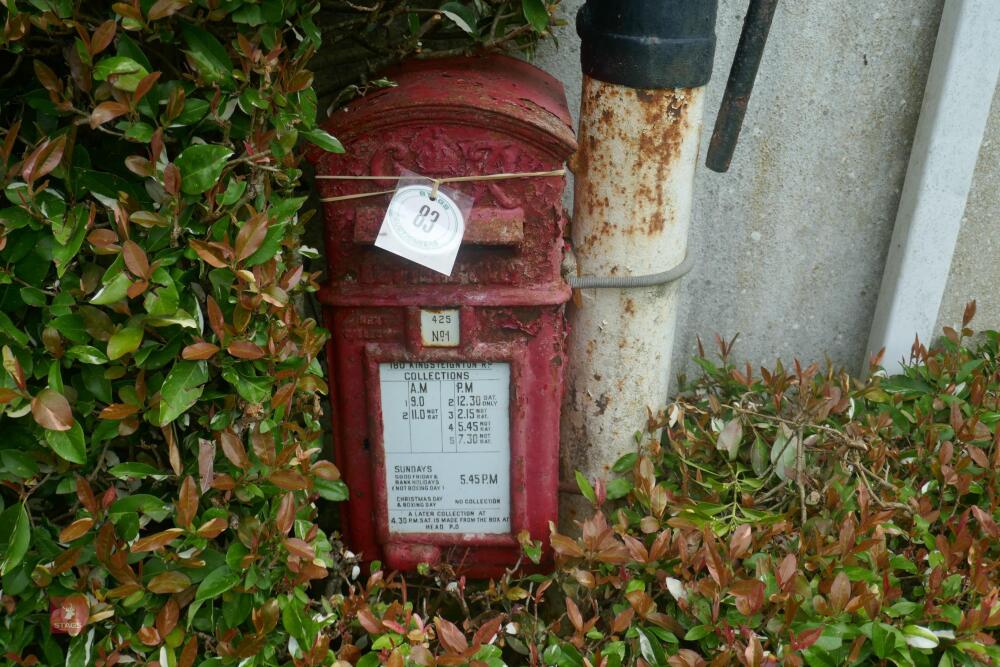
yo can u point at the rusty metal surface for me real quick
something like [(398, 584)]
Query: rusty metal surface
[(451, 119), (485, 226), (634, 178), (742, 76)]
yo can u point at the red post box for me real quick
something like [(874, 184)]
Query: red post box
[(446, 390)]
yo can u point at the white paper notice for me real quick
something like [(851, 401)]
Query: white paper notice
[(446, 430), (421, 229)]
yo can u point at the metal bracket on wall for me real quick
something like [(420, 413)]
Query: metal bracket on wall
[(632, 282)]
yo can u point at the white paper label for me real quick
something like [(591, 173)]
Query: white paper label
[(439, 328), (446, 431), (423, 230)]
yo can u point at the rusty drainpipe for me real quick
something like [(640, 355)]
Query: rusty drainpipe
[(645, 65)]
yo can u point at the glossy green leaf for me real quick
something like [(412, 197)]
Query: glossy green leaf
[(70, 445), (15, 537), (201, 166), (125, 341), (536, 13), (324, 140), (181, 389), (207, 54), (216, 583)]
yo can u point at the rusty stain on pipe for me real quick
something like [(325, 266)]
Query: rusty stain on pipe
[(632, 206)]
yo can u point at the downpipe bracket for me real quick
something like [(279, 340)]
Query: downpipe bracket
[(633, 282)]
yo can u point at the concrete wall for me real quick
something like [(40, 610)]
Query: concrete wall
[(975, 267), (790, 244)]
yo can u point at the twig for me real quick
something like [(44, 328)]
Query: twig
[(800, 472)]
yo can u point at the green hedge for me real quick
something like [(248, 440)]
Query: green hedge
[(161, 398)]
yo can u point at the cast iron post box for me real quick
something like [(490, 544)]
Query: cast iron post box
[(446, 390)]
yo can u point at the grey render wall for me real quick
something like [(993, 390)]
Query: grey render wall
[(975, 267), (790, 244)]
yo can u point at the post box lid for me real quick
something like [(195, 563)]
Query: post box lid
[(493, 90)]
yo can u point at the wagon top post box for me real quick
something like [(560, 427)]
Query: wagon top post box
[(446, 389)]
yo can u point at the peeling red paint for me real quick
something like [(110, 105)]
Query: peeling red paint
[(451, 118)]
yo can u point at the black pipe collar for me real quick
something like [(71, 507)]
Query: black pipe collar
[(648, 43)]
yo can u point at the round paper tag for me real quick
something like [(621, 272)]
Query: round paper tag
[(423, 224)]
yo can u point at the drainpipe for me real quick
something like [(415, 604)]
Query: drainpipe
[(645, 66), (956, 107)]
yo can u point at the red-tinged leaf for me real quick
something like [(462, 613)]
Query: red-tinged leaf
[(164, 8), (806, 638), (86, 495), (189, 654), (566, 546), (233, 449), (263, 446), (283, 396), (199, 351), (65, 561), (172, 179), (716, 567), (636, 549), (51, 410), (969, 314), (786, 571), (251, 236), (173, 452), (135, 259), (291, 278), (167, 617), (102, 37), (978, 456), (986, 522), (157, 540), (288, 480), (167, 583), (451, 638), (118, 411), (206, 464), (223, 482), (212, 528), (739, 543), (43, 159), (574, 615), (104, 239), (69, 615), (137, 288), (285, 516), (215, 318), (244, 349), (487, 632), (187, 503), (106, 111), (300, 548), (622, 621), (326, 470), (145, 86), (48, 78), (149, 636), (840, 592), (211, 253), (75, 530), (368, 621)]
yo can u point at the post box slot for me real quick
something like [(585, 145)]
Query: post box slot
[(486, 226)]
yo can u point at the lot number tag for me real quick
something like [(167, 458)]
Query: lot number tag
[(423, 228)]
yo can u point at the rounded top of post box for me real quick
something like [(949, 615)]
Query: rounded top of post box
[(492, 91)]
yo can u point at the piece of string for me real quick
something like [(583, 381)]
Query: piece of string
[(435, 182)]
